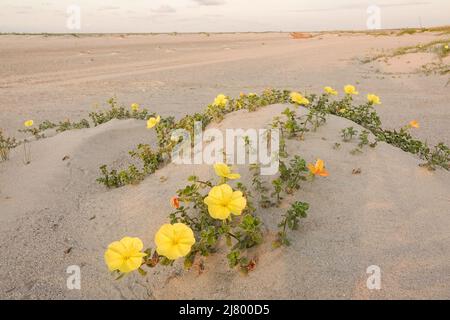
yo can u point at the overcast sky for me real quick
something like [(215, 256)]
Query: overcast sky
[(217, 15)]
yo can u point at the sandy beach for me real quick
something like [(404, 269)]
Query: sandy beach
[(59, 77), (390, 212)]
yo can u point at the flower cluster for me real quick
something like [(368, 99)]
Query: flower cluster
[(373, 99), (222, 201), (153, 121), (177, 239), (220, 101), (330, 90), (298, 99), (350, 90)]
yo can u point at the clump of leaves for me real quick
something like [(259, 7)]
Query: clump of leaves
[(364, 115), (150, 159), (294, 173), (36, 132), (260, 187), (291, 126), (118, 112), (363, 138), (403, 140), (347, 134), (68, 125), (363, 141), (291, 220), (62, 126), (297, 126), (239, 233), (216, 112), (164, 130), (6, 144), (115, 179), (438, 157), (278, 188)]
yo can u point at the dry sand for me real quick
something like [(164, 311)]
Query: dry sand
[(394, 215), (53, 213), (58, 77)]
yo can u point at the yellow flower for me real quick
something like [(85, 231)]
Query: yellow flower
[(153, 122), (174, 240), (299, 99), (222, 170), (446, 47), (222, 201), (124, 255), (373, 99), (135, 107), (349, 89), (318, 168), (220, 101), (330, 90), (251, 94), (28, 123), (414, 124), (343, 110)]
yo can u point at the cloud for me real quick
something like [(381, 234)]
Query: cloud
[(164, 9), (210, 2)]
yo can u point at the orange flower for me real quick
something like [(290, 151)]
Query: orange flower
[(318, 169), (175, 202), (414, 124)]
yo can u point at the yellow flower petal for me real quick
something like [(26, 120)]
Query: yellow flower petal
[(330, 90), (222, 201), (349, 89), (233, 176), (373, 99), (28, 123), (153, 122), (298, 99), (220, 101), (221, 169), (219, 212), (237, 203), (174, 241), (124, 255)]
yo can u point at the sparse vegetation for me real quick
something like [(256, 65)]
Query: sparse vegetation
[(439, 49), (6, 145)]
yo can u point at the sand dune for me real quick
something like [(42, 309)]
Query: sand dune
[(176, 75), (393, 214)]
